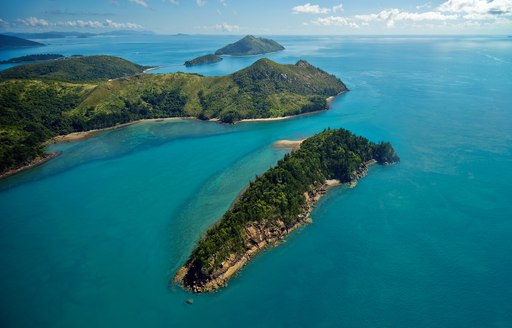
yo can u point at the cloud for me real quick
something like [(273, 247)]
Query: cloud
[(390, 16), (427, 5), (59, 12), (39, 22), (337, 8), (110, 24), (224, 27), (201, 3), (81, 23), (4, 23), (492, 7), (223, 2), (174, 2), (143, 3), (335, 21), (33, 22), (310, 9)]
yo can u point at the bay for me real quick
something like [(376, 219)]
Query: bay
[(93, 237)]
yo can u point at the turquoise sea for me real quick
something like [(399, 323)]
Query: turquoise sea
[(92, 238)]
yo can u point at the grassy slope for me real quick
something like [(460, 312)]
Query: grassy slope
[(32, 111), (75, 69)]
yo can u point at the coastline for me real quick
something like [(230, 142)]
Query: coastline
[(328, 101), (151, 69), (35, 162), (77, 136), (261, 237)]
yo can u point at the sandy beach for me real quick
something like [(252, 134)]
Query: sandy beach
[(288, 143)]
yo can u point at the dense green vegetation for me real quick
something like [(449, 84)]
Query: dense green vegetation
[(33, 111), (75, 69), (250, 45), (11, 42), (278, 195), (206, 59), (29, 58)]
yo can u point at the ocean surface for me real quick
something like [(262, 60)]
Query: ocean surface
[(93, 237)]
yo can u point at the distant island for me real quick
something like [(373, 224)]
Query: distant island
[(75, 69), (30, 58), (13, 42), (79, 35), (43, 100), (277, 203), (207, 59), (250, 45)]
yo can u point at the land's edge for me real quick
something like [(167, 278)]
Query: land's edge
[(76, 136), (35, 162), (263, 237)]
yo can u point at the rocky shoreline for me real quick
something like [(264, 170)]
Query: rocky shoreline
[(35, 162), (261, 236)]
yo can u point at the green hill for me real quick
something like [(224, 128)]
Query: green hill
[(12, 42), (207, 59), (250, 45), (75, 69), (33, 111)]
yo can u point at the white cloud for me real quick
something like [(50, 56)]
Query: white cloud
[(223, 2), (335, 21), (390, 16), (224, 27), (427, 5), (174, 2), (143, 3), (111, 24), (201, 3), (493, 7), (4, 23), (33, 21), (39, 22), (81, 23), (308, 8), (337, 8)]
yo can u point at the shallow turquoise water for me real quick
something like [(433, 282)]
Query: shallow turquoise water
[(93, 237)]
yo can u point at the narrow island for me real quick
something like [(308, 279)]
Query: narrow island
[(202, 60), (31, 58), (43, 100), (13, 42), (278, 202), (250, 46)]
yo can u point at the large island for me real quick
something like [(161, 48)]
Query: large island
[(250, 45), (43, 100), (277, 203)]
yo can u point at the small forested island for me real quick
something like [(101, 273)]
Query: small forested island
[(206, 59), (250, 45), (12, 42), (30, 58), (44, 100), (278, 202)]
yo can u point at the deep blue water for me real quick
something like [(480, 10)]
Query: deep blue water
[(92, 238)]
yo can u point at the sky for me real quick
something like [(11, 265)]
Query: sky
[(267, 17)]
